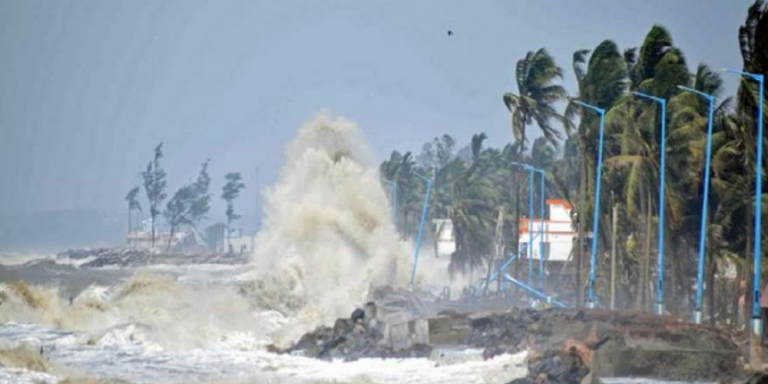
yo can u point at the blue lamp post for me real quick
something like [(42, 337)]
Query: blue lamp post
[(531, 169), (757, 323), (530, 225), (704, 205), (591, 298), (659, 308), (417, 246)]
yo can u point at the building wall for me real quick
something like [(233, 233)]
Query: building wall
[(558, 234), (446, 244)]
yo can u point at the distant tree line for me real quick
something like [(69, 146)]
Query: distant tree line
[(188, 206)]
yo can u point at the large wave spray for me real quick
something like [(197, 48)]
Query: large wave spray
[(327, 233)]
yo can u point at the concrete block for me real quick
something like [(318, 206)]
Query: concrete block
[(399, 337), (419, 331), (444, 330)]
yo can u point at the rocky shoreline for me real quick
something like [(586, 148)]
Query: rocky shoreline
[(131, 258), (564, 345)]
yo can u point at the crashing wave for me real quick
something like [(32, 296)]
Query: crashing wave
[(328, 235)]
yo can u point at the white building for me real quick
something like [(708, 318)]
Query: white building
[(445, 241), (558, 232)]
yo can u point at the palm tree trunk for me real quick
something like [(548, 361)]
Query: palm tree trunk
[(673, 277), (581, 212), (130, 221), (405, 224), (643, 290), (170, 238), (712, 270), (711, 288), (748, 267), (229, 235), (153, 229), (489, 263), (736, 296)]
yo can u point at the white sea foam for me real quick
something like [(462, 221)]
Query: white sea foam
[(123, 357), (19, 258)]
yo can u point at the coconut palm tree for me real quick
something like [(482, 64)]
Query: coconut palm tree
[(601, 80), (473, 209), (537, 95)]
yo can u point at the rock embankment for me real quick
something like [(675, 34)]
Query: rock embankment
[(568, 344), (130, 258), (359, 336)]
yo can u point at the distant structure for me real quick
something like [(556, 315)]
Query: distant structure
[(141, 237), (558, 232), (188, 239), (445, 243), (218, 242)]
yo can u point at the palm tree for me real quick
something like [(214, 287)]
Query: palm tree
[(473, 209), (535, 101), (536, 97), (229, 192), (133, 205), (658, 70), (602, 80), (753, 36)]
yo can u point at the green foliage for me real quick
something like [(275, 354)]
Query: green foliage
[(177, 211), (154, 186), (472, 187), (231, 191), (537, 95), (133, 199), (190, 204), (201, 204)]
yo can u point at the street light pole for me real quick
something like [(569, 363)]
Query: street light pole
[(659, 308), (757, 322), (697, 315), (530, 226), (591, 299), (417, 246), (531, 169)]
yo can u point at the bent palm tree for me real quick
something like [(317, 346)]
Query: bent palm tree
[(535, 101), (537, 95)]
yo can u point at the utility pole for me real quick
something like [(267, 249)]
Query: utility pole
[(615, 225)]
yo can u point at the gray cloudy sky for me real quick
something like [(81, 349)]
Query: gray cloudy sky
[(88, 87)]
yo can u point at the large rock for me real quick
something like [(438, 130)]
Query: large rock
[(557, 367)]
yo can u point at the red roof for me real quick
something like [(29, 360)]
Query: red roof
[(562, 202)]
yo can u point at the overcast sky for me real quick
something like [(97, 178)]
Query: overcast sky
[(88, 87)]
